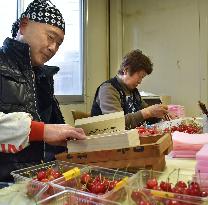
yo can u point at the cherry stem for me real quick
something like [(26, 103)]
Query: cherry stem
[(199, 177), (170, 173), (178, 174), (100, 177), (115, 173)]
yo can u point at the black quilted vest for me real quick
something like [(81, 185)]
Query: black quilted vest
[(23, 90), (128, 106)]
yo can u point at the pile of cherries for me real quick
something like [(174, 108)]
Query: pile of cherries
[(153, 130), (44, 175), (146, 131), (190, 128), (47, 175), (140, 197), (97, 184)]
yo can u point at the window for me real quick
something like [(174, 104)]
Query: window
[(69, 80), (6, 26)]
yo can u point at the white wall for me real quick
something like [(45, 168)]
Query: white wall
[(174, 35)]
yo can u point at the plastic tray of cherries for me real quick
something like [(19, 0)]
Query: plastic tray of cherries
[(157, 188), (149, 130), (44, 172), (102, 182), (186, 125), (38, 178), (70, 197)]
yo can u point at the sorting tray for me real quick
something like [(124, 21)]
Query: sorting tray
[(116, 194), (35, 188), (138, 190), (69, 197), (31, 172)]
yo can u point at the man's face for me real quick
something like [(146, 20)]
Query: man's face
[(132, 81), (44, 40)]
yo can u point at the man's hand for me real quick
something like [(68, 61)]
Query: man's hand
[(57, 134), (158, 110)]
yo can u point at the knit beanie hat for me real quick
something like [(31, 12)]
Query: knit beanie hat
[(42, 11)]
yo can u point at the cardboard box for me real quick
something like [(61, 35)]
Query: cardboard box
[(151, 146), (150, 154), (108, 123), (105, 141)]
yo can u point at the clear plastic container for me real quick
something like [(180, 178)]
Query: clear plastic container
[(31, 172), (34, 187), (145, 189), (40, 191), (70, 197), (118, 193), (144, 196)]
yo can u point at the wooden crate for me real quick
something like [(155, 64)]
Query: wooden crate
[(133, 165), (149, 147), (150, 154)]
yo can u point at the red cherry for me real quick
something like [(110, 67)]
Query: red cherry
[(203, 194), (56, 174), (143, 203), (112, 185), (98, 188), (174, 128), (181, 184), (51, 178), (166, 130), (151, 131), (44, 180), (106, 182), (185, 191), (41, 175), (98, 178), (152, 183), (194, 185), (173, 202), (156, 188), (136, 196), (141, 130), (89, 187), (165, 186), (85, 178), (193, 191), (48, 172), (178, 190)]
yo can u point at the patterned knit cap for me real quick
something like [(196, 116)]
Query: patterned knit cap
[(42, 11)]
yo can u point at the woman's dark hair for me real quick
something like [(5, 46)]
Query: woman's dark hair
[(135, 61)]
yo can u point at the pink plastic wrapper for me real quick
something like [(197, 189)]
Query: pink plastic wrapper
[(176, 110), (183, 154), (202, 154)]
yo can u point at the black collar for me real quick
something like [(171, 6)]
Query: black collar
[(19, 52)]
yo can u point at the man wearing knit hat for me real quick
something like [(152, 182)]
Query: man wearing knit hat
[(27, 92)]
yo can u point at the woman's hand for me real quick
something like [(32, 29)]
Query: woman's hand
[(158, 110)]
